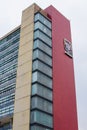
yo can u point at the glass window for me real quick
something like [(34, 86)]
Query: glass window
[(7, 126), (5, 84), (36, 127), (7, 77), (9, 46), (8, 63), (43, 37), (7, 98), (41, 78), (41, 91), (11, 69), (41, 45), (37, 54), (41, 118), (38, 65), (43, 19), (41, 104), (9, 53), (13, 34), (43, 28), (10, 59), (10, 37), (6, 110)]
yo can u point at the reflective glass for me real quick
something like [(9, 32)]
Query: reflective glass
[(41, 99), (36, 127), (41, 78), (43, 37), (43, 28), (8, 69), (41, 45), (7, 126), (41, 104), (42, 118), (37, 54), (42, 91), (44, 20), (38, 65)]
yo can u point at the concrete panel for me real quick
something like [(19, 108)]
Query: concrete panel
[(21, 119), (25, 68), (28, 9), (22, 104), (26, 38), (25, 58), (64, 99), (27, 21), (24, 79), (27, 29), (25, 48), (23, 91), (22, 127)]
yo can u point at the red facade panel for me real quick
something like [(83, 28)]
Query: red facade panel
[(64, 97)]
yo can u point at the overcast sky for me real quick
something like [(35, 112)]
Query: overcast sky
[(76, 12)]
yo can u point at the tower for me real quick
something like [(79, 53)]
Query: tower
[(37, 77)]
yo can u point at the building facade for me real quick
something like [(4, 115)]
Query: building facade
[(37, 89)]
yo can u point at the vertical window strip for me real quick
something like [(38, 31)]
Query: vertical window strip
[(40, 77)]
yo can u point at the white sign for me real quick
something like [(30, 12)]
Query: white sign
[(68, 48)]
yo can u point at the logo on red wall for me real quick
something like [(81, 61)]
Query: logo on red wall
[(68, 48)]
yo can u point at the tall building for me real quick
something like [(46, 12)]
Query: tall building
[(37, 88)]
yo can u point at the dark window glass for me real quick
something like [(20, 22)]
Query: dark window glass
[(41, 118), (42, 56), (41, 78), (41, 104), (42, 91), (8, 69), (35, 127), (38, 65), (44, 20), (41, 45), (7, 126), (43, 37), (41, 99), (39, 25)]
